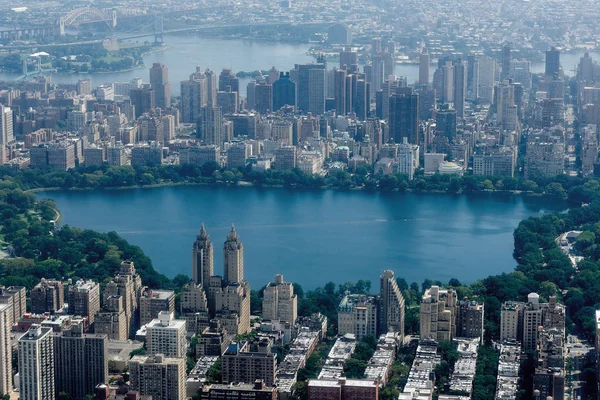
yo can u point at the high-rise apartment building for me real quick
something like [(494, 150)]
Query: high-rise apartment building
[(159, 80), (143, 99), (424, 62), (153, 302), (447, 87), (6, 130), (284, 92), (263, 97), (84, 299), (47, 296), (358, 315), (80, 361), (194, 307), (143, 373), (377, 73), (233, 258), (241, 365), (438, 314), (460, 88), (36, 364), (391, 317), (506, 58), (166, 335), (126, 285), (194, 96), (511, 321), (202, 259), (404, 116), (311, 88), (14, 296), (285, 158), (279, 301), (210, 125), (227, 79), (348, 58), (6, 379), (340, 91), (552, 65), (470, 319)]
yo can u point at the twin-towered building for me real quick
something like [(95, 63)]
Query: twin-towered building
[(228, 296)]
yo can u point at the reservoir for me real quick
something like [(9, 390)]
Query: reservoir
[(313, 237)]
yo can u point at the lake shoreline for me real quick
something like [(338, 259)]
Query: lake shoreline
[(244, 184)]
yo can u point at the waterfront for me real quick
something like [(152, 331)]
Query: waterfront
[(184, 53), (313, 236)]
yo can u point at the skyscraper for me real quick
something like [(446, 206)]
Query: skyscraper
[(311, 88), (233, 258), (159, 80), (211, 87), (392, 305), (472, 77), (377, 75), (228, 79), (251, 96), (424, 68), (552, 62), (445, 123), (36, 364), (210, 125), (263, 97), (340, 91), (348, 57), (6, 130), (447, 82), (284, 92), (460, 88), (404, 116), (143, 99), (505, 72), (202, 259), (362, 100), (80, 361), (5, 349), (375, 46)]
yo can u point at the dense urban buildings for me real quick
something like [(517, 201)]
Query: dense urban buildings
[(458, 97)]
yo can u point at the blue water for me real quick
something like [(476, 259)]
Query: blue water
[(313, 237)]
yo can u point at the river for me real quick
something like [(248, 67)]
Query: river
[(313, 237), (186, 52)]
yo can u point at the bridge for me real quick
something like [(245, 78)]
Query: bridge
[(79, 15), (158, 32), (108, 16), (58, 29)]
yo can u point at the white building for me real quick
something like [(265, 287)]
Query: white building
[(280, 302), (166, 335), (6, 317), (433, 162), (408, 159), (36, 364), (310, 162)]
